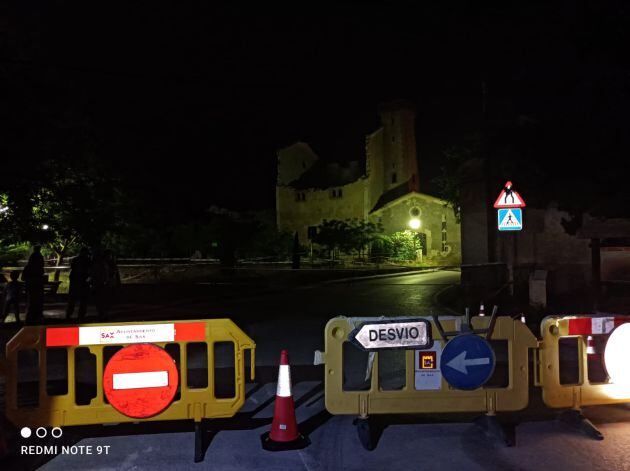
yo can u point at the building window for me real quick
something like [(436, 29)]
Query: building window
[(394, 177), (336, 193), (311, 232), (300, 196)]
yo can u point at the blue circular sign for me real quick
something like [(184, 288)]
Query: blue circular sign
[(467, 361)]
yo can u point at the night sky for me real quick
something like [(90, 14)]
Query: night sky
[(191, 103)]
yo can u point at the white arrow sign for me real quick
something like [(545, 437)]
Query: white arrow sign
[(402, 334), (460, 362)]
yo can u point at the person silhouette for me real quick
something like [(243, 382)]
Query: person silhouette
[(12, 295), (508, 192), (33, 276), (79, 287)]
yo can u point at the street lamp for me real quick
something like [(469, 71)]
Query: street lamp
[(414, 223)]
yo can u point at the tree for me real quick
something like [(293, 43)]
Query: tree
[(404, 245), (351, 235), (59, 205), (451, 178)]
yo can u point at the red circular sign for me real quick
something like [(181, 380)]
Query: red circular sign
[(140, 380)]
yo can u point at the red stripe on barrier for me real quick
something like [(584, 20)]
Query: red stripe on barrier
[(62, 336), (190, 332), (580, 326), (621, 320)]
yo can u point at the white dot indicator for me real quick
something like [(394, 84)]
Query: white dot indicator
[(41, 432), (25, 432), (56, 432)]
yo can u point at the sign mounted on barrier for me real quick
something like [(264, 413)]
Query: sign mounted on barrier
[(427, 369), (382, 335), (140, 380), (467, 361), (117, 334)]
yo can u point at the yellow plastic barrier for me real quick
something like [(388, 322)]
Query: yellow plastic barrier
[(584, 391), (46, 370), (440, 398)]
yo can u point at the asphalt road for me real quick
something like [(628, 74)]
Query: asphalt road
[(295, 319)]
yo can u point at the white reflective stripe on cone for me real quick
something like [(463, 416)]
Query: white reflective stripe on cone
[(149, 379), (284, 381)]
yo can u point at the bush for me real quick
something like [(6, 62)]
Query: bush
[(10, 255)]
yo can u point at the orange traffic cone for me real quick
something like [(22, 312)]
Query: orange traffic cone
[(590, 346), (284, 434)]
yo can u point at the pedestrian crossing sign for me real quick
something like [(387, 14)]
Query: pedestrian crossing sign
[(510, 219)]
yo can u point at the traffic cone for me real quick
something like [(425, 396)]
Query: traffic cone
[(284, 434), (523, 320), (482, 311), (590, 345)]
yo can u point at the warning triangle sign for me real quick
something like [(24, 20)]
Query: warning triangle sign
[(508, 198)]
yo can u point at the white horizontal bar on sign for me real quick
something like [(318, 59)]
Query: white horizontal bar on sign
[(111, 334), (149, 379)]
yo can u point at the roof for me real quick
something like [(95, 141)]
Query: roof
[(400, 191), (391, 195), (329, 174)]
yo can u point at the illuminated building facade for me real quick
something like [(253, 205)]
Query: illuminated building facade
[(383, 188)]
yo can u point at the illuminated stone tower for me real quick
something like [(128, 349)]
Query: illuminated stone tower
[(400, 161)]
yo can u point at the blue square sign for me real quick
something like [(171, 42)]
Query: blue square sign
[(510, 219)]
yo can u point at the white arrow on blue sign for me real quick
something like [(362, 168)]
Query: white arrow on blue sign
[(468, 361), (461, 364)]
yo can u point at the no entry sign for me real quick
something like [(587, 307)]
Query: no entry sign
[(140, 380), (398, 333)]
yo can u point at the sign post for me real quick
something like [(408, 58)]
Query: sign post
[(509, 206), (509, 212)]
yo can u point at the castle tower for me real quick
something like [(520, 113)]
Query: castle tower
[(400, 161)]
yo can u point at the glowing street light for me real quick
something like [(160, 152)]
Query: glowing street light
[(415, 223), (45, 227), (616, 356)]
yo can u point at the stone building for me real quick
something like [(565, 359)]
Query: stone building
[(382, 188)]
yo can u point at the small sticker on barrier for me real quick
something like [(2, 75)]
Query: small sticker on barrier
[(428, 375)]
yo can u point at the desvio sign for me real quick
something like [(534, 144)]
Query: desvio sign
[(393, 333)]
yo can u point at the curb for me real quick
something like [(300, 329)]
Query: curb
[(385, 275), (436, 300)]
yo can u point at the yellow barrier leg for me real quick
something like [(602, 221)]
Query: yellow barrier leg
[(574, 419), (495, 429), (199, 451), (369, 432)]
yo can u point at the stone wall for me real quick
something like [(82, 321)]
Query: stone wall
[(374, 166), (544, 244), (294, 215), (293, 161)]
